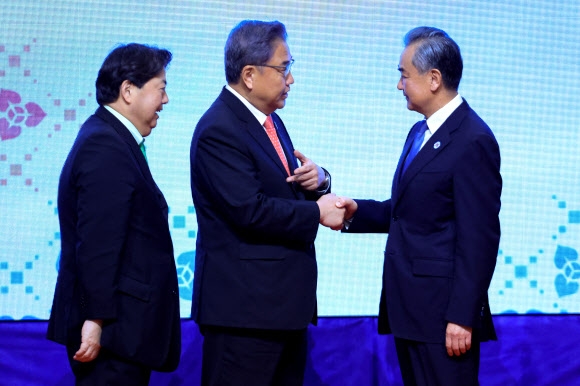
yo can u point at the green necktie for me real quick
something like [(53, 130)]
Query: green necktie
[(142, 147)]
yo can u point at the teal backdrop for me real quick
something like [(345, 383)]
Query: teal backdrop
[(344, 112)]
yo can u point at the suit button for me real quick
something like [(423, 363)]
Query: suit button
[(395, 218)]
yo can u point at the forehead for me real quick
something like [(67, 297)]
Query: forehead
[(281, 51), (158, 79)]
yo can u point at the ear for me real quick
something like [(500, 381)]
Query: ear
[(247, 76), (126, 91), (436, 79)]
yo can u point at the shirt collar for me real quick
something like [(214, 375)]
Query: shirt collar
[(260, 116), (440, 116), (127, 123)]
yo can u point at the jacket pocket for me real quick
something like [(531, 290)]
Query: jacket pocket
[(432, 267), (134, 288)]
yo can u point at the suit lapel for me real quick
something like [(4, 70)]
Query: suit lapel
[(288, 147), (257, 131), (286, 143), (436, 144), (406, 148), (136, 153)]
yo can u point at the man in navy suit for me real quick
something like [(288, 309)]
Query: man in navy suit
[(116, 302), (258, 214), (442, 221)]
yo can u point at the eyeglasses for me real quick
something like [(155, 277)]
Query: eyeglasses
[(284, 70)]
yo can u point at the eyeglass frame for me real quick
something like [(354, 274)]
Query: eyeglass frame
[(285, 69)]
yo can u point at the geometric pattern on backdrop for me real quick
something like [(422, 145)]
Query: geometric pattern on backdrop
[(524, 277), (33, 118)]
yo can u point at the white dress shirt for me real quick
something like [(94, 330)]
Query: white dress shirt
[(440, 116), (130, 126)]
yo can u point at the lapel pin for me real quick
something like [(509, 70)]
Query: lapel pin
[(436, 145)]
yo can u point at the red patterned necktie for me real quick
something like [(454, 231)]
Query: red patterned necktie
[(271, 131)]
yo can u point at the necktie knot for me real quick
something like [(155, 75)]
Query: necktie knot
[(422, 129), (269, 124)]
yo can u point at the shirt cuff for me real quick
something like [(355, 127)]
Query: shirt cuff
[(346, 223)]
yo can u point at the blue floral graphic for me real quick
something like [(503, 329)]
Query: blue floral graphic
[(567, 282), (185, 263)]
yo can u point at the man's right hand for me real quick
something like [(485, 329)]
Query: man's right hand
[(349, 205), (330, 214), (90, 341)]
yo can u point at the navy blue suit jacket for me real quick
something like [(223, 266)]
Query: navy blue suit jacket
[(255, 261), (116, 260), (444, 232)]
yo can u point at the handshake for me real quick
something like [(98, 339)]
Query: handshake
[(335, 210)]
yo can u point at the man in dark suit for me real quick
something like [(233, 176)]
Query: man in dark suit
[(116, 302), (258, 214), (442, 221)]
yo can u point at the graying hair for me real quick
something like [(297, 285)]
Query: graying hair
[(436, 50), (251, 42)]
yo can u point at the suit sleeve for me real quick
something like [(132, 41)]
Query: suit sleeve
[(226, 176), (104, 184), (477, 189), (371, 217)]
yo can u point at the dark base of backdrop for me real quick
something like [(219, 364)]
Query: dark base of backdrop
[(532, 350)]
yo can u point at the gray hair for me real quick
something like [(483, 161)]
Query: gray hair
[(436, 50), (251, 42)]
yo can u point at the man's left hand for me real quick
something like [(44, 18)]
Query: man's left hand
[(90, 341), (310, 176), (457, 339)]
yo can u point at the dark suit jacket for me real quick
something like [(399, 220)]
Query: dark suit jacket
[(117, 259), (444, 232), (255, 263)]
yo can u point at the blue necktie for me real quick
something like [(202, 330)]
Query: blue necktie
[(416, 146)]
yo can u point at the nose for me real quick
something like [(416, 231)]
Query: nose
[(165, 99), (289, 78), (400, 84)]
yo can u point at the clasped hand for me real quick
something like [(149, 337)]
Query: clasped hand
[(335, 210)]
